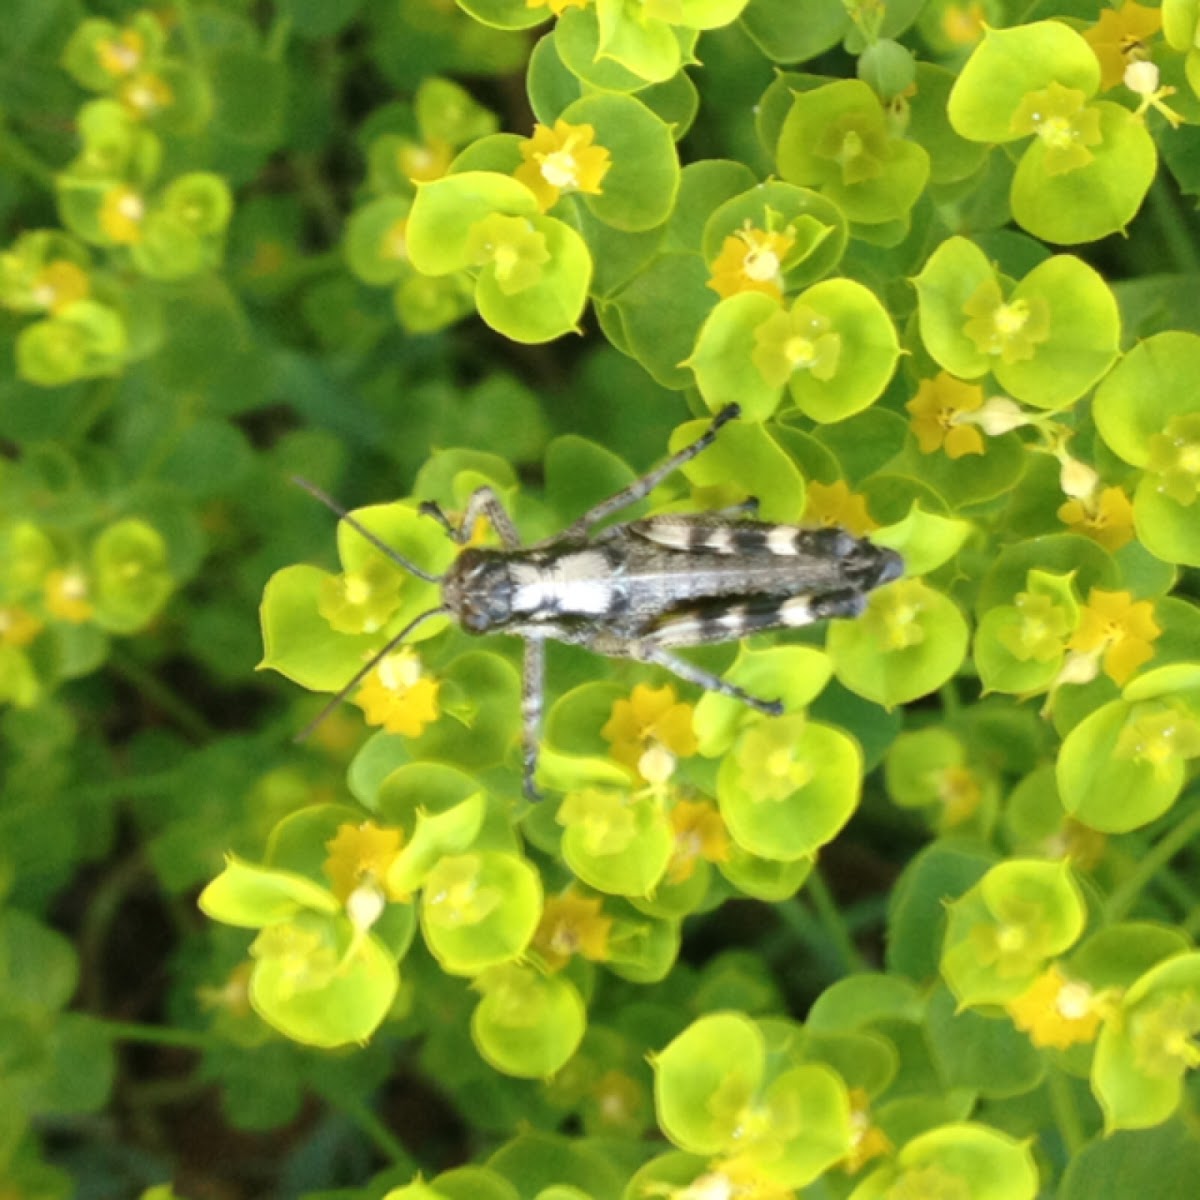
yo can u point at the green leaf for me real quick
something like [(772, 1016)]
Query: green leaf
[(1144, 391), (1092, 201), (908, 643), (446, 210), (553, 304), (721, 1057), (527, 1025), (1010, 63), (321, 984), (788, 787), (254, 897), (479, 910), (639, 189)]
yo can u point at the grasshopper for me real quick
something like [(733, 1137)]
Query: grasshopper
[(640, 590)]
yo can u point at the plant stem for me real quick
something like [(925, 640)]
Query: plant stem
[(149, 685), (1066, 1114), (835, 928), (1180, 247), (1123, 897), (15, 153), (156, 1035), (377, 1131)]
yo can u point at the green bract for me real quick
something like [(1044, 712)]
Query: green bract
[(718, 1095), (531, 272), (1046, 340), (1020, 647), (967, 1160), (1090, 164), (1125, 763), (836, 139), (787, 786), (834, 348), (479, 910), (315, 623), (1143, 1055), (315, 978), (131, 580), (1146, 412), (527, 1025), (615, 841), (910, 640), (1001, 933)]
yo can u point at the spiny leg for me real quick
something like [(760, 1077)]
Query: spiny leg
[(483, 503), (532, 685), (644, 485), (691, 673)]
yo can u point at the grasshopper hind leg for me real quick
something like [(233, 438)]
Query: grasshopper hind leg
[(690, 673), (532, 703)]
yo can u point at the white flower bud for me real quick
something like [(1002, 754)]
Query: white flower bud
[(1079, 668), (365, 905), (657, 764), (1000, 415), (1077, 479), (1142, 77)]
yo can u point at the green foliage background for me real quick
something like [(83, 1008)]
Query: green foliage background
[(941, 941)]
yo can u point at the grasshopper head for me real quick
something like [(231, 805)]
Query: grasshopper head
[(478, 590)]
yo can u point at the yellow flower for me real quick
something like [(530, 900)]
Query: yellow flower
[(393, 246), (1010, 330), (60, 284), (771, 768), (557, 7), (121, 213), (17, 627), (938, 411), (649, 731), (751, 260), (361, 854), (959, 793), (146, 94), (123, 54), (561, 160), (513, 247), (1058, 1011), (1064, 122), (1119, 37), (1160, 737), (360, 601), (423, 161), (801, 339), (836, 505), (867, 1140), (1106, 517), (963, 24), (1115, 626), (700, 833), (398, 695), (67, 595), (232, 997), (572, 924)]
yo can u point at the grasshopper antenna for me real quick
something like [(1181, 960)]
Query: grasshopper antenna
[(367, 668), (330, 503)]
